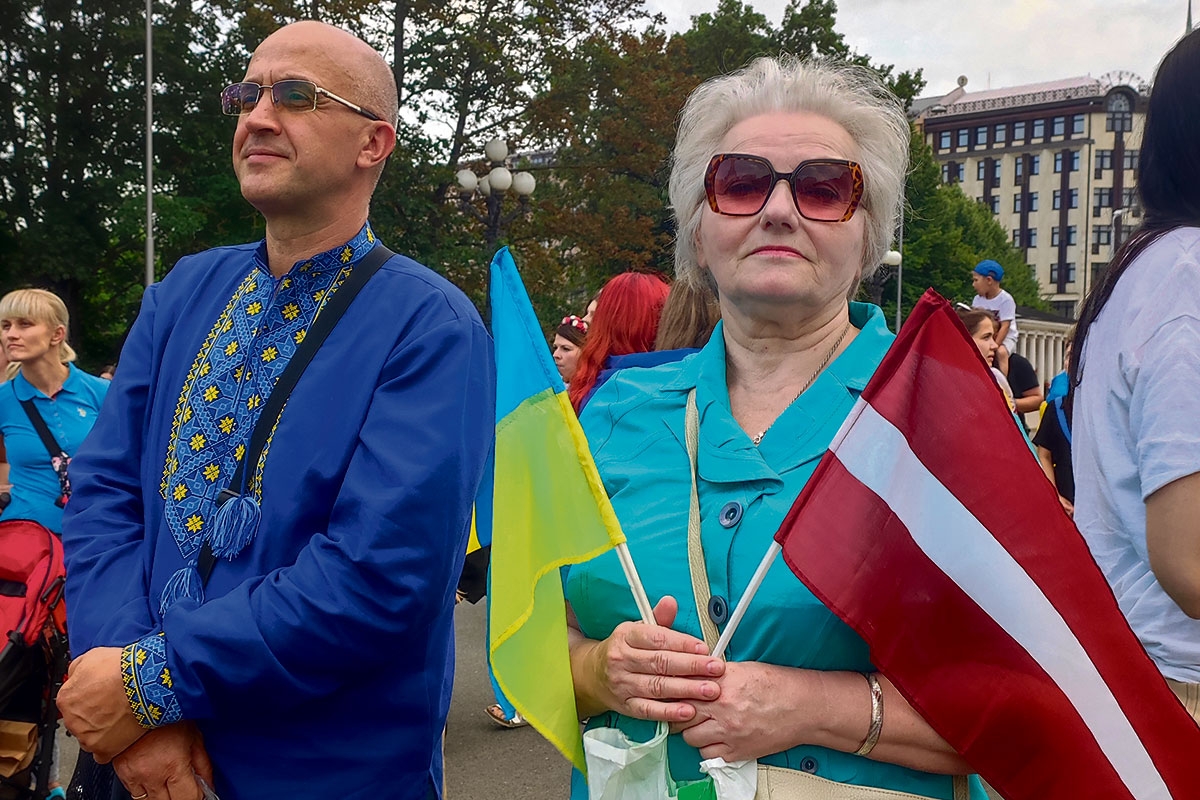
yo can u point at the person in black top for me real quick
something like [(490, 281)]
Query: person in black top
[(1053, 443), (1026, 387)]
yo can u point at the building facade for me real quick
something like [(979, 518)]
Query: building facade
[(1056, 163)]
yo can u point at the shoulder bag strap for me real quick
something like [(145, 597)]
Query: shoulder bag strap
[(43, 430), (699, 570), (324, 324)]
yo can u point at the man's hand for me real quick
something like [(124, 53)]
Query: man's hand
[(162, 765), (94, 707)]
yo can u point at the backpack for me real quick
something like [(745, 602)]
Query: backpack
[(33, 616)]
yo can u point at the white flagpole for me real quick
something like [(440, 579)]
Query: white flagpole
[(747, 596), (635, 585)]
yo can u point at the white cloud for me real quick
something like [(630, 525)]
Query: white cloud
[(998, 43)]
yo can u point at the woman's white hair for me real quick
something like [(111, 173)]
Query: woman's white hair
[(852, 96)]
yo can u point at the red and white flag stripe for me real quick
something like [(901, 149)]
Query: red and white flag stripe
[(930, 529)]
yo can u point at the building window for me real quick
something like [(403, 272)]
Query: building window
[(1033, 203), (1102, 234), (1128, 197), (962, 173), (1071, 236), (1056, 200), (944, 140), (1120, 113), (1056, 236), (980, 170), (1031, 237), (994, 201), (1067, 270), (996, 172), (1035, 165), (1101, 198), (945, 173), (1071, 161), (1058, 126), (1074, 199), (1074, 161), (1001, 133), (981, 136), (1131, 159), (964, 138), (1055, 239), (1017, 203), (1077, 124), (1019, 169), (1016, 237), (1103, 159), (1039, 129), (1018, 132), (1058, 163)]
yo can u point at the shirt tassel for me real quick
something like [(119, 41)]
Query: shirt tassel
[(234, 526), (185, 583)]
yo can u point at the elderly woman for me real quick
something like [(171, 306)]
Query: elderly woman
[(786, 185)]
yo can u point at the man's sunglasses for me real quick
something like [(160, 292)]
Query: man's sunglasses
[(824, 189), (291, 95)]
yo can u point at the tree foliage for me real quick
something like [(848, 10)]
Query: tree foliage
[(596, 83)]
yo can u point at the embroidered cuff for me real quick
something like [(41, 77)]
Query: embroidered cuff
[(148, 682)]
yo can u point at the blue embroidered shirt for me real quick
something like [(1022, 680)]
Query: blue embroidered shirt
[(319, 661), (69, 416)]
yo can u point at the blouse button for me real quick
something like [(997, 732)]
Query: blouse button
[(731, 514), (718, 609), (808, 764)]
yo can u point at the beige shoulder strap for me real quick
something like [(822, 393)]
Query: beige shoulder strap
[(699, 570)]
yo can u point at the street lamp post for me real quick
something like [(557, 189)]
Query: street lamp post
[(893, 258), (492, 187)]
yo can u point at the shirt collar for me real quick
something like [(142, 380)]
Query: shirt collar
[(726, 452), (334, 258), (26, 391)]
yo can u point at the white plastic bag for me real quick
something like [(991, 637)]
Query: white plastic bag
[(622, 769), (736, 781)]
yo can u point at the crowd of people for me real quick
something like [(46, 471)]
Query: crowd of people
[(270, 503)]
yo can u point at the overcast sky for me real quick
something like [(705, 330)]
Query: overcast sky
[(995, 44)]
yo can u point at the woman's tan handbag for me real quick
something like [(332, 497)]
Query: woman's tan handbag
[(778, 783)]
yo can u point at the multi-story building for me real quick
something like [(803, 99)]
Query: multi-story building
[(1056, 163)]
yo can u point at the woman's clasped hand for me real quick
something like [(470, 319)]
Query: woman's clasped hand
[(648, 671)]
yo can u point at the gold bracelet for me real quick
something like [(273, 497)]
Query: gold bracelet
[(876, 717)]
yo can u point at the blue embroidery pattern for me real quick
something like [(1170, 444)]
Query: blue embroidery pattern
[(233, 375), (148, 682)]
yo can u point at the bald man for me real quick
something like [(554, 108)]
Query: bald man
[(315, 659)]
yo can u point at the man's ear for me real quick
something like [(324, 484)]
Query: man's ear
[(378, 145)]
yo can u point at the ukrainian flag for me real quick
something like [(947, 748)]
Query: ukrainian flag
[(549, 510)]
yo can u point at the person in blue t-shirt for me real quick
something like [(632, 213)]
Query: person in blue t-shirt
[(33, 326)]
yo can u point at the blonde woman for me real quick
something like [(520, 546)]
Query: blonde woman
[(43, 382)]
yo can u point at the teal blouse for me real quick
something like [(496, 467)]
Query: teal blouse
[(635, 426)]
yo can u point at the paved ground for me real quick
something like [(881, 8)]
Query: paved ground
[(483, 761)]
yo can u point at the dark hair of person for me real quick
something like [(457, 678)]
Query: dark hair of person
[(626, 321), (1168, 180), (688, 317), (573, 329), (973, 318)]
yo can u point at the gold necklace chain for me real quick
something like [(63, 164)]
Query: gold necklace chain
[(811, 380)]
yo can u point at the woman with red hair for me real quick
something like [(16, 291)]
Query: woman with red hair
[(626, 321)]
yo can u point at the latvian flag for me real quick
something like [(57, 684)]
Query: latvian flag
[(930, 529)]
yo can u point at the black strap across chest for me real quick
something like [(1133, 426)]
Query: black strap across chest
[(43, 430), (316, 335)]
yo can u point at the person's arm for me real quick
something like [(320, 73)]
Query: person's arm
[(1030, 400), (1046, 462), (765, 708), (1173, 541), (103, 524), (1002, 331)]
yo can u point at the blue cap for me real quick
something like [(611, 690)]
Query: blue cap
[(990, 269)]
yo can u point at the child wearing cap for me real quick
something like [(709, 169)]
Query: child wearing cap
[(988, 294)]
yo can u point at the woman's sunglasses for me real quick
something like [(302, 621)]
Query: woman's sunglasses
[(824, 189), (290, 95)]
